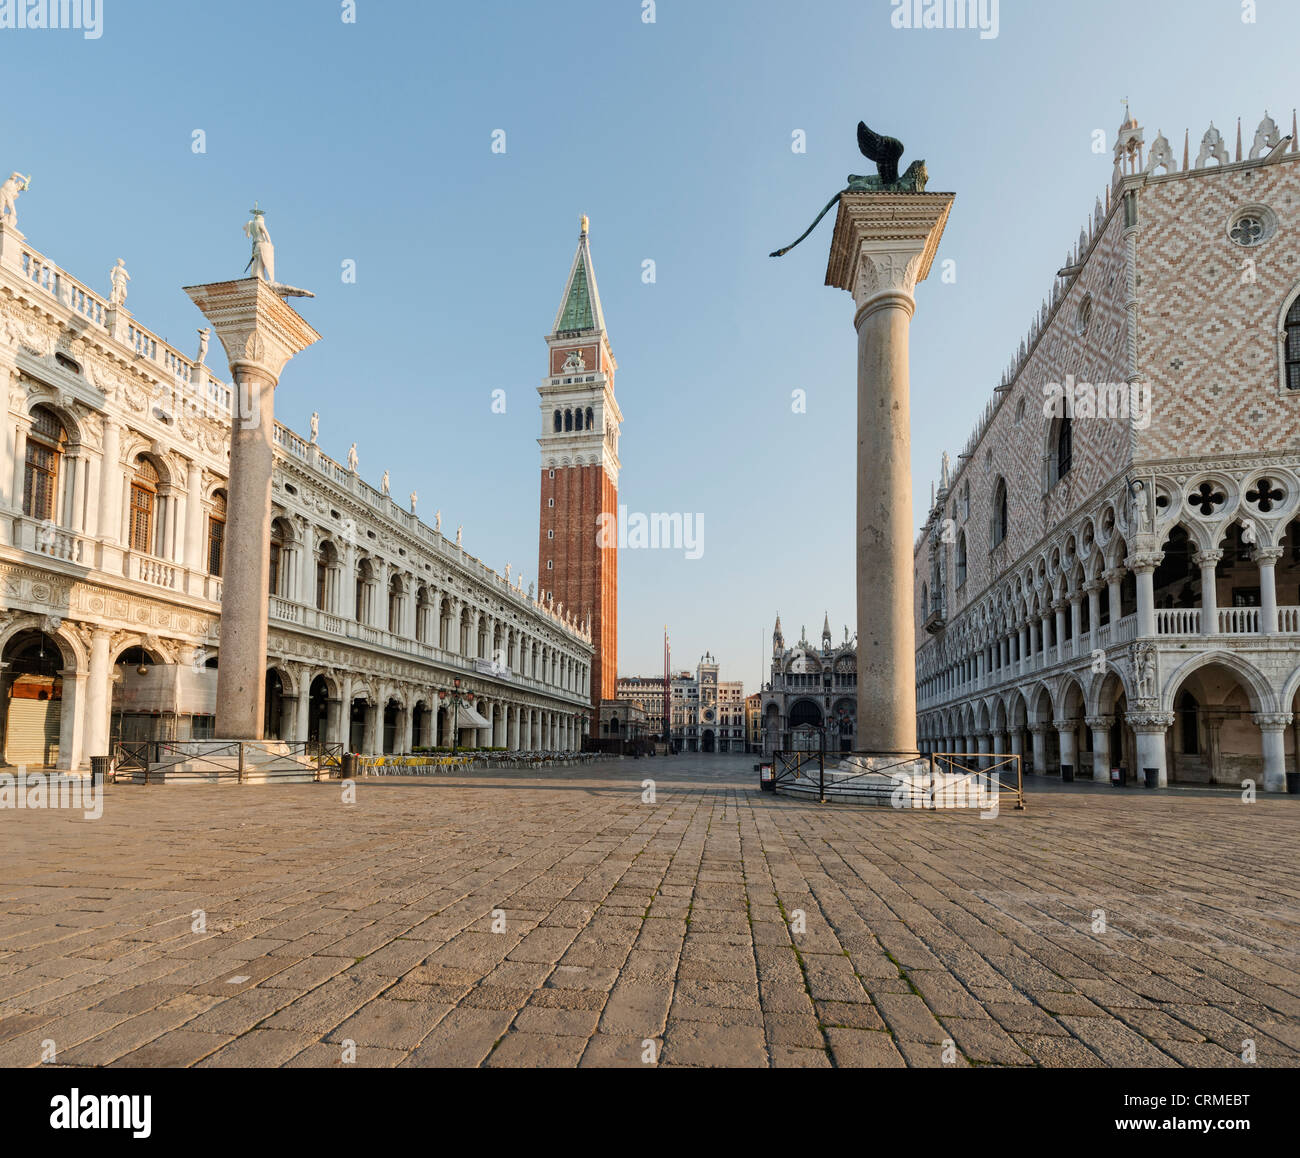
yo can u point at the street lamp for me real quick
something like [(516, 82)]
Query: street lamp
[(455, 699)]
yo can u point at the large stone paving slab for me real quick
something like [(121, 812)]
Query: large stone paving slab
[(557, 919)]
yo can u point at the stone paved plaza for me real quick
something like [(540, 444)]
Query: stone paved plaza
[(625, 921)]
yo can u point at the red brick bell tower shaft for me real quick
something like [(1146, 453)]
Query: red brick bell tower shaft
[(578, 527)]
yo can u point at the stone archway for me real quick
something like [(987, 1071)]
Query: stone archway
[(708, 742), (32, 686), (318, 701)]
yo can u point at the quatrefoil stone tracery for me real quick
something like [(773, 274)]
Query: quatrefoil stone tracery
[(1207, 498), (1265, 495)]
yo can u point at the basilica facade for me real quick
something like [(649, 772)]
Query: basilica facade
[(811, 698), (1110, 578), (113, 475)]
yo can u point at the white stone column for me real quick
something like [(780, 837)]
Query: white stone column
[(303, 729), (344, 721), (372, 736), (1093, 588), (1039, 733), (1208, 561), (1067, 730), (1076, 624), (18, 475), (1272, 728), (1266, 558), (71, 724), (1059, 608), (260, 332), (1144, 566), (194, 519), (99, 694), (884, 245), (1100, 727), (1149, 729), (9, 449), (289, 707), (1114, 601)]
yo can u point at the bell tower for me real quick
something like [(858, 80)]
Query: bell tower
[(578, 539)]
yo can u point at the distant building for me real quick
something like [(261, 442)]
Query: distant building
[(813, 691), (754, 722), (648, 693), (623, 725), (707, 714)]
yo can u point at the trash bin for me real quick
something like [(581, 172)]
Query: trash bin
[(100, 767), (1067, 773), (767, 777), (1119, 777), (1152, 775), (349, 766), (1293, 783)]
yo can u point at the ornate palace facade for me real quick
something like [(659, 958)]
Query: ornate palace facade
[(1111, 577), (112, 505)]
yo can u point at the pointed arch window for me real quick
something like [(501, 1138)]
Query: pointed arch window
[(46, 442), (1064, 447), (961, 559), (1000, 512), (1293, 346)]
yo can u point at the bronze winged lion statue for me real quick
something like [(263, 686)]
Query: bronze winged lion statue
[(885, 152)]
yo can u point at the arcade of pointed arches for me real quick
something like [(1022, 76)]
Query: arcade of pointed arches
[(1185, 592)]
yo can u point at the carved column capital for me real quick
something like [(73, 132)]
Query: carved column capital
[(1141, 561), (1150, 722)]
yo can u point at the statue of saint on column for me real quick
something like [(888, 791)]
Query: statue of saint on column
[(262, 263)]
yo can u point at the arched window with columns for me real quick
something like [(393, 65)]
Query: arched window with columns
[(217, 534), (46, 442), (145, 484)]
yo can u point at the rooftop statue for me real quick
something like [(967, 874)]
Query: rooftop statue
[(9, 191), (885, 152), (119, 277)]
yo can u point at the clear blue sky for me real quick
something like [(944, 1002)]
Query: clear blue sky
[(372, 142)]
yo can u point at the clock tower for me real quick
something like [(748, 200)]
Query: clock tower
[(578, 541)]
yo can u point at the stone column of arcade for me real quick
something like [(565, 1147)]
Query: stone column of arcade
[(884, 245), (260, 333)]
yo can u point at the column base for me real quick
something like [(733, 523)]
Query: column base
[(218, 762)]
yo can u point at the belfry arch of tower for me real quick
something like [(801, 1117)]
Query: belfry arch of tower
[(580, 421)]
